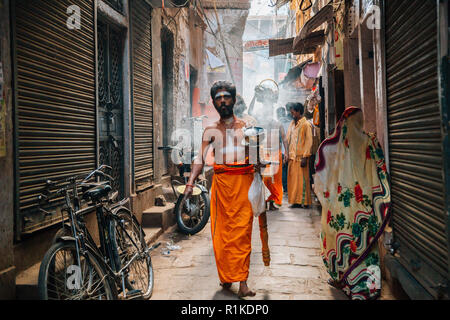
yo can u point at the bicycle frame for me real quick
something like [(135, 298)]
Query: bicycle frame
[(84, 242), (108, 220)]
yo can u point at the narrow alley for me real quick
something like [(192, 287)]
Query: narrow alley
[(296, 271), (120, 118)]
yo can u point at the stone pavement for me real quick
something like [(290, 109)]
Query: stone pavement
[(296, 271)]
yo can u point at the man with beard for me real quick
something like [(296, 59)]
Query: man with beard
[(231, 210)]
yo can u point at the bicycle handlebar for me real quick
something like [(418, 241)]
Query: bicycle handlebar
[(65, 184), (99, 172)]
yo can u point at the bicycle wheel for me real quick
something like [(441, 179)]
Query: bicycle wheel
[(61, 278), (192, 214), (128, 239)]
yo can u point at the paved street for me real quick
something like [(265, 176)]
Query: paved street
[(296, 271)]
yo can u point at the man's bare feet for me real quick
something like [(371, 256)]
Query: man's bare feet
[(226, 285), (244, 291), (272, 206)]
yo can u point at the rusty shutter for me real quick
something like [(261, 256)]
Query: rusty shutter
[(55, 100), (415, 140), (142, 93)]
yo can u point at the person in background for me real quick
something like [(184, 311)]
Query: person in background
[(299, 141), (275, 137), (285, 122), (240, 109)]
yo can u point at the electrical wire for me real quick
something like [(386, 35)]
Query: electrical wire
[(267, 57), (339, 7), (213, 33), (222, 41), (172, 18), (227, 41), (257, 29), (208, 22), (339, 24)]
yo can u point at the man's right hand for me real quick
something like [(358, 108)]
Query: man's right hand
[(260, 166), (188, 191)]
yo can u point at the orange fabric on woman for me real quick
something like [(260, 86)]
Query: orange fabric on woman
[(275, 186), (231, 221)]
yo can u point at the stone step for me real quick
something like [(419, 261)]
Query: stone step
[(151, 234), (168, 194), (27, 283), (155, 216)]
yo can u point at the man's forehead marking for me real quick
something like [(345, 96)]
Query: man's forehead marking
[(222, 94)]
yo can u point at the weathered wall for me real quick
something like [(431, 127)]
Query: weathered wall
[(232, 25), (196, 30), (157, 93), (177, 21), (367, 78), (351, 73), (366, 26), (7, 268), (181, 72), (380, 87), (31, 249)]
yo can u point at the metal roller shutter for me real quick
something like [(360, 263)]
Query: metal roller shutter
[(142, 94), (55, 100), (415, 140)]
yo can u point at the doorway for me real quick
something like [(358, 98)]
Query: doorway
[(110, 97)]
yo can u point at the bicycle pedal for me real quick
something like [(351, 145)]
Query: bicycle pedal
[(134, 295)]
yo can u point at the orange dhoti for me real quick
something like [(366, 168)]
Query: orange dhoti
[(231, 221), (274, 182)]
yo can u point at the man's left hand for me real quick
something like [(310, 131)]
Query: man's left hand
[(303, 162)]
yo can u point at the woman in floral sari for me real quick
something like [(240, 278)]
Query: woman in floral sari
[(352, 185)]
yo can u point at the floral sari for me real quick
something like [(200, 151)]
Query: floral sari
[(352, 186)]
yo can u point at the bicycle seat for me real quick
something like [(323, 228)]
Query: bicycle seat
[(97, 192)]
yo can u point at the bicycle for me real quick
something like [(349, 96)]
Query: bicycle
[(192, 213), (75, 267)]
